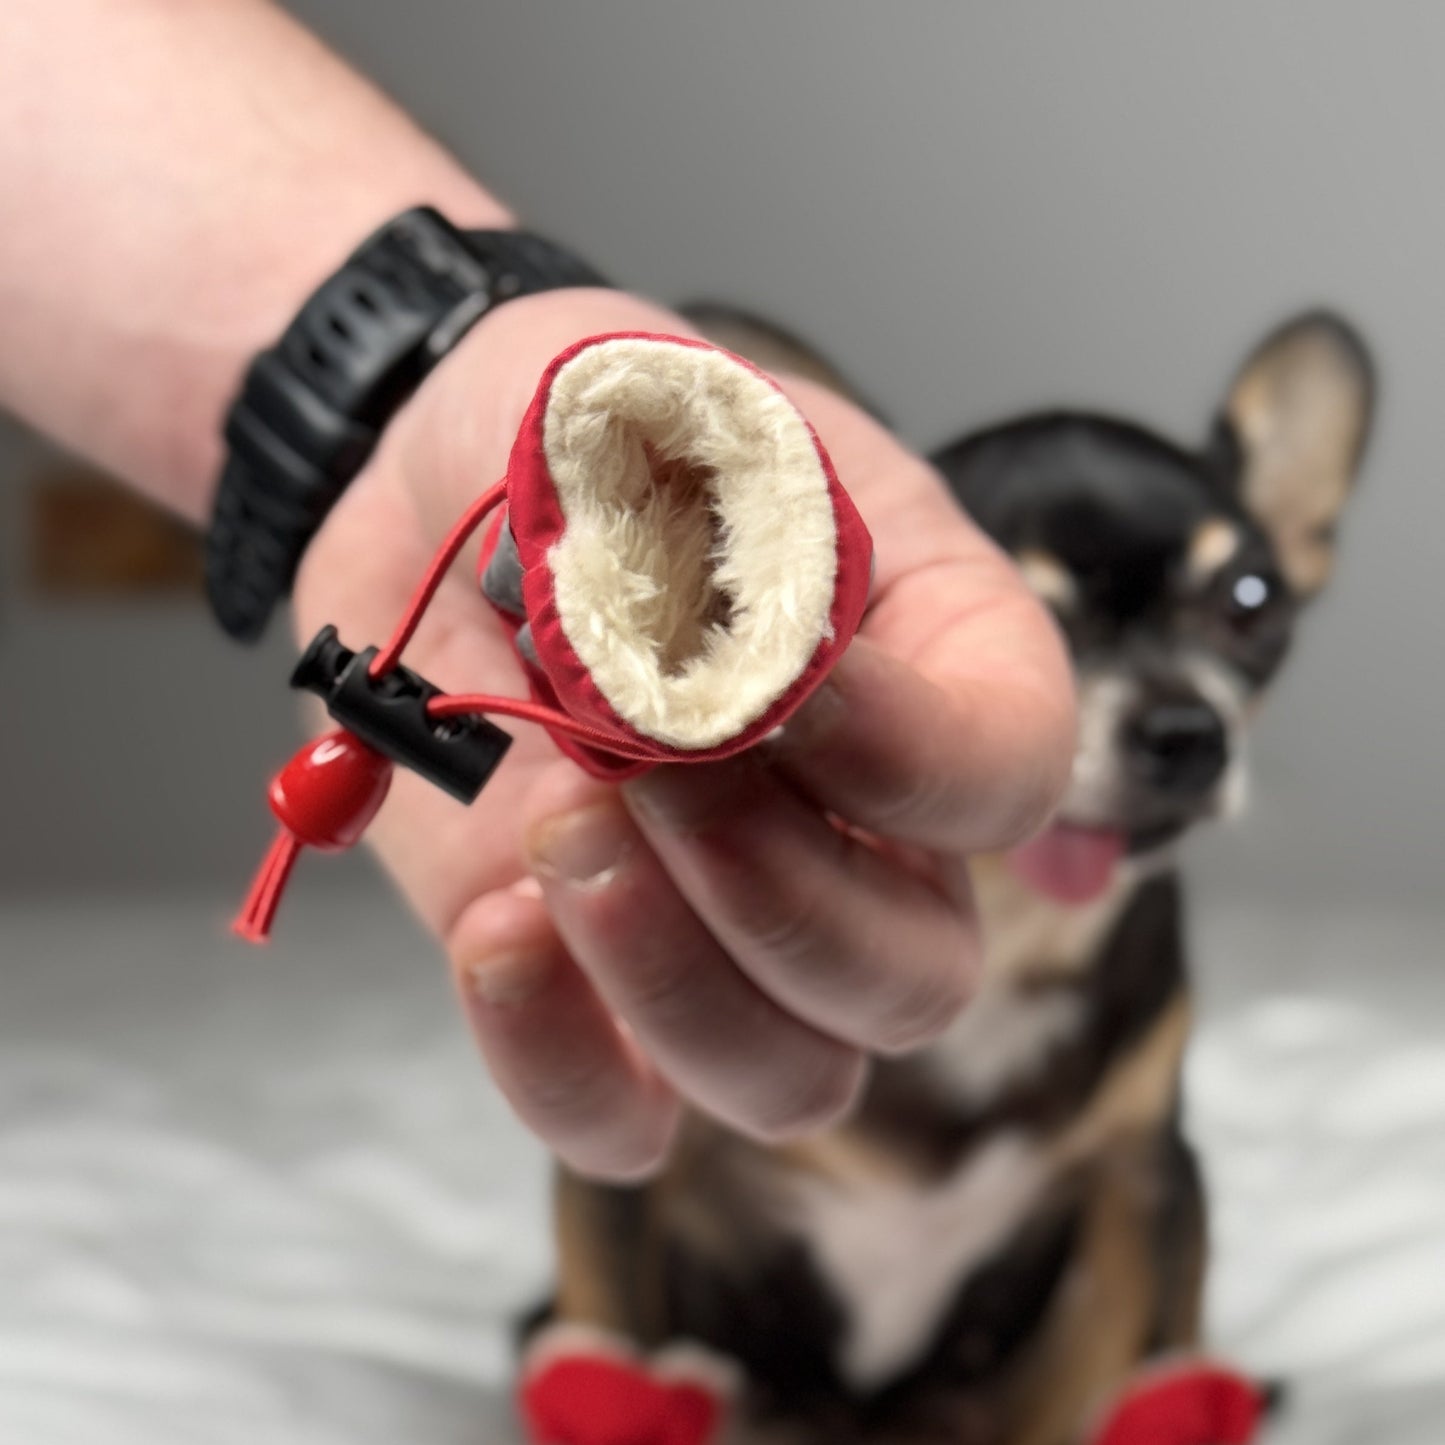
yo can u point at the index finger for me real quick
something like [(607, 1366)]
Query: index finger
[(950, 721), (968, 756)]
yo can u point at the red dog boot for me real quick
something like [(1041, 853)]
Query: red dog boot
[(677, 562), (1186, 1402), (674, 559), (581, 1386)]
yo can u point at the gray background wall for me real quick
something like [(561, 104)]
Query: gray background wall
[(976, 210)]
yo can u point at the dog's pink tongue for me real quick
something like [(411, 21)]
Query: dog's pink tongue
[(1070, 865)]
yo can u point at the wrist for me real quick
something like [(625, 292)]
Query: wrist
[(281, 268), (189, 179)]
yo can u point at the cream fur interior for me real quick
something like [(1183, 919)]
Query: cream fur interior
[(695, 575)]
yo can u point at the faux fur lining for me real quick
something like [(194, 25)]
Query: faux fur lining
[(695, 576)]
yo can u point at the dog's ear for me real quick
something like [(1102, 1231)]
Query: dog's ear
[(1295, 423)]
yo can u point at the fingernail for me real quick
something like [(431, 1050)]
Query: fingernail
[(508, 979), (585, 848)]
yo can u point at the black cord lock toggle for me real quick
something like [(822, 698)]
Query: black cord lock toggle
[(389, 713)]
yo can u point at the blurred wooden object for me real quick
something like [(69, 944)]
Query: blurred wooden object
[(89, 538)]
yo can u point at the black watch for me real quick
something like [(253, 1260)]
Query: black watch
[(313, 405)]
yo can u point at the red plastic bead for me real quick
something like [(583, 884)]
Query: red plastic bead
[(328, 793)]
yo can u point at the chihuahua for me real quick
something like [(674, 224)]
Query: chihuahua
[(1011, 1225)]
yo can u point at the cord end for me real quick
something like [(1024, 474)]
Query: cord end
[(258, 912)]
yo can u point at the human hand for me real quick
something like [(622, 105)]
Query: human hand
[(706, 934)]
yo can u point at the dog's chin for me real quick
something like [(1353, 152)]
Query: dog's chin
[(1076, 863)]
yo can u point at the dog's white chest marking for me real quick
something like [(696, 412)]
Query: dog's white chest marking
[(896, 1253), (1003, 1038)]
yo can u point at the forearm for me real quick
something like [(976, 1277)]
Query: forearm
[(175, 176)]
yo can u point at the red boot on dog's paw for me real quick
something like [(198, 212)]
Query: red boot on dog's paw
[(677, 563), (585, 1387), (1185, 1402)]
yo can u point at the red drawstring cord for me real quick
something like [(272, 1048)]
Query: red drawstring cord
[(456, 704), (329, 792), (253, 922), (435, 573), (462, 704)]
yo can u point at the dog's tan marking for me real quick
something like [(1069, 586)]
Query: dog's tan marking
[(1137, 1094), (848, 1159), (1100, 1326), (603, 1280), (1048, 578), (1108, 1305), (1211, 547), (583, 1296)]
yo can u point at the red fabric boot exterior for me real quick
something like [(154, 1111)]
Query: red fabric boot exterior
[(584, 1388), (1194, 1402)]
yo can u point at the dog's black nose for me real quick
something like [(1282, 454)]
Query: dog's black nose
[(1178, 747)]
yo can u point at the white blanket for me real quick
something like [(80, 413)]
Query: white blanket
[(270, 1198)]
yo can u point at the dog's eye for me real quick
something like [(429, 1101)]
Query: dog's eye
[(1250, 597), (1246, 617), (1250, 592)]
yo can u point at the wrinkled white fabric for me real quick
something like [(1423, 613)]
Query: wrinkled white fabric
[(269, 1196)]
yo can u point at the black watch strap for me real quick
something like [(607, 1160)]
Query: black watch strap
[(313, 406)]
